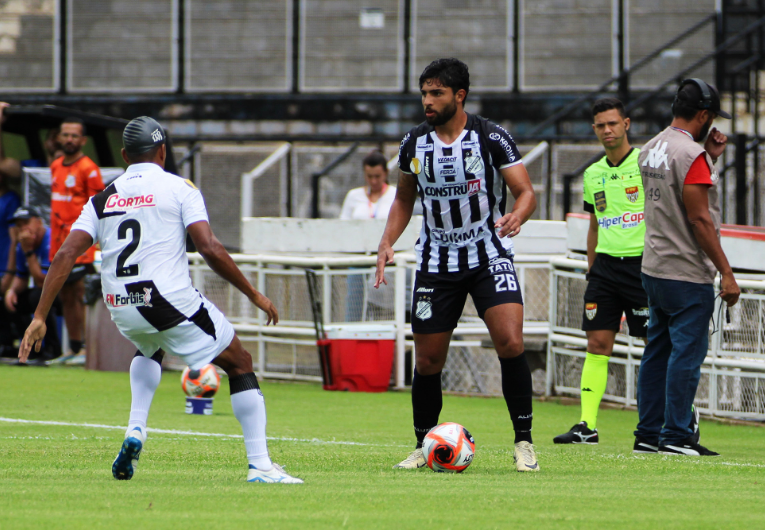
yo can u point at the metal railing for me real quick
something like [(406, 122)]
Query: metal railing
[(733, 374)]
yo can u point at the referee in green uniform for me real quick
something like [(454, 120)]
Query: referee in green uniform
[(613, 195)]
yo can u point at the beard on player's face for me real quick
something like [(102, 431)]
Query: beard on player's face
[(705, 129), (440, 118), (70, 148)]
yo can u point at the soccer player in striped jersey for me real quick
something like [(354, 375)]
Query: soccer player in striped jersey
[(459, 165)]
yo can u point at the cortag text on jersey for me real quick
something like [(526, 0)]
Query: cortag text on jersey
[(115, 203), (633, 193)]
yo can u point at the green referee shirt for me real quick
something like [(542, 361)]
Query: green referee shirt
[(614, 193)]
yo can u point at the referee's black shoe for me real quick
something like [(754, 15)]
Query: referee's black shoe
[(579, 434), (687, 448)]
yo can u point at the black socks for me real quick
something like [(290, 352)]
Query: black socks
[(426, 403), (516, 387), (242, 383), (76, 346)]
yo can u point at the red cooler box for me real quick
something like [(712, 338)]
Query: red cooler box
[(360, 357)]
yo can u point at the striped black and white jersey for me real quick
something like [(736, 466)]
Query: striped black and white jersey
[(462, 193)]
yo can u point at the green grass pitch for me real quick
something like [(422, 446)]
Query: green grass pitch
[(59, 476)]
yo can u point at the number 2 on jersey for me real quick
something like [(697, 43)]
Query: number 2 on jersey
[(122, 233)]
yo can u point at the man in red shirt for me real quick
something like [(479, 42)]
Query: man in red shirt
[(75, 178)]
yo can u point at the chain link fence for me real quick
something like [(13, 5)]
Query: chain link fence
[(732, 376)]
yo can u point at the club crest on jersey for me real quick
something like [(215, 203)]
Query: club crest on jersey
[(416, 166), (116, 203), (633, 193), (70, 181), (600, 201), (424, 309), (473, 164), (590, 310)]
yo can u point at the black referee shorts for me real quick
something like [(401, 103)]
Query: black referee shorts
[(439, 298), (615, 287)]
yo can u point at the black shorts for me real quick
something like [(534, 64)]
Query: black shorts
[(79, 271), (615, 287), (439, 298)]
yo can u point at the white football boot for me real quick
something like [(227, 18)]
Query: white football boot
[(275, 474), (415, 460), (127, 459), (525, 457)]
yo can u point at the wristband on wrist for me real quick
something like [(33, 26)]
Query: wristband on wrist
[(29, 254)]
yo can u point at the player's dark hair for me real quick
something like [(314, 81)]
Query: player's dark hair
[(79, 121), (686, 103), (376, 158), (450, 72), (604, 104), (148, 156)]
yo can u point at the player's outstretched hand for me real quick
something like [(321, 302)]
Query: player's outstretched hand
[(715, 143), (267, 306), (33, 336), (384, 257), (729, 289), (509, 225)]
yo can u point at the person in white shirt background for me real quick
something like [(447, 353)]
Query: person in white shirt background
[(372, 201)]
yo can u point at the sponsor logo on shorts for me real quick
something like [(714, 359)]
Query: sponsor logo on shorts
[(115, 203), (642, 312), (633, 193), (424, 309), (500, 265), (627, 220), (425, 290), (590, 310), (131, 299)]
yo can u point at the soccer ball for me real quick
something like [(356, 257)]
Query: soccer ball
[(449, 448), (200, 383)]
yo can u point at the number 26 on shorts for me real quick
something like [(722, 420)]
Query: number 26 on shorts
[(505, 282)]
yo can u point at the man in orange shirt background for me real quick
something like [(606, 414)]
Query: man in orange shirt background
[(75, 178)]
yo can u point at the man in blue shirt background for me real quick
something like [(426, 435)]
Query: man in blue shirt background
[(32, 249)]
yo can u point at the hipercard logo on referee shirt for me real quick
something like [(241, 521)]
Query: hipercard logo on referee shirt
[(115, 203)]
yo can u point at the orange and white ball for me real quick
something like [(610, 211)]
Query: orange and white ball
[(449, 448), (200, 383)]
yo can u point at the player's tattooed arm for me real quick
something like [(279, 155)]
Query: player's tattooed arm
[(398, 218), (216, 256), (517, 179)]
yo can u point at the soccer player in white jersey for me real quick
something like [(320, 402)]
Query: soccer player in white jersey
[(458, 164), (141, 221)]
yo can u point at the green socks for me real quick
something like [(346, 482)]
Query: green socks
[(594, 378)]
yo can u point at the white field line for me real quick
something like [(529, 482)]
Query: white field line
[(191, 433)]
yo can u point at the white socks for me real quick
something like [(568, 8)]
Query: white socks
[(145, 375), (250, 409)]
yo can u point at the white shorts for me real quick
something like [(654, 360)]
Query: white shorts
[(196, 344)]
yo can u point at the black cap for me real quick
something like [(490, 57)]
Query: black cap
[(700, 95), (142, 135), (25, 212)]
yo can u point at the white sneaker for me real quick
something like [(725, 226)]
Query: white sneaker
[(275, 474), (127, 459), (76, 360), (415, 460), (525, 457)]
